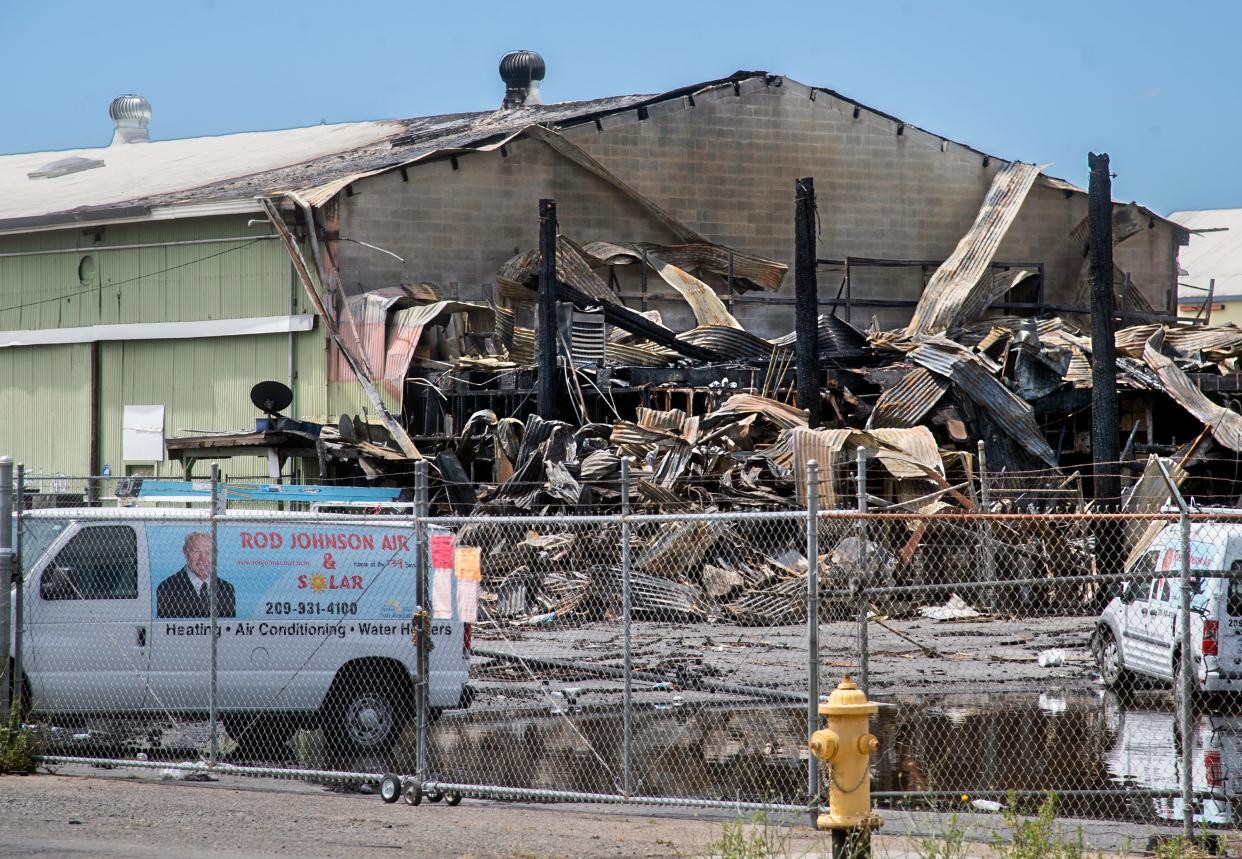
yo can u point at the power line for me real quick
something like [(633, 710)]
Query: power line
[(101, 287)]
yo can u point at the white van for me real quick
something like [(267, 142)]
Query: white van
[(1139, 632), (314, 622)]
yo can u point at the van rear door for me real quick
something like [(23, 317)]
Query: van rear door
[(1229, 621)]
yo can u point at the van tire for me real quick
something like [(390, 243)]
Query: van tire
[(364, 716), (1108, 660), (1196, 697)]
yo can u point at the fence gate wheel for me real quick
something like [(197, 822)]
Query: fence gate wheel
[(390, 788)]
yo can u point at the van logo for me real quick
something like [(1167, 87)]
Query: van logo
[(319, 582)]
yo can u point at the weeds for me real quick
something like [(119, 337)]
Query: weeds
[(948, 843), (757, 838), (1180, 847), (16, 745), (1038, 837)]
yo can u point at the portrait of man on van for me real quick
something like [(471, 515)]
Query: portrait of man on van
[(186, 593)]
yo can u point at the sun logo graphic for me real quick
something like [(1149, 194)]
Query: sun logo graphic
[(318, 582)]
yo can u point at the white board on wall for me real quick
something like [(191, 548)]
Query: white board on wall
[(142, 434)]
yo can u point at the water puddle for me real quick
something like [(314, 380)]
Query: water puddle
[(1101, 753)]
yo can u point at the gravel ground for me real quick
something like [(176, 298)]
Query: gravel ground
[(97, 813), (134, 816)]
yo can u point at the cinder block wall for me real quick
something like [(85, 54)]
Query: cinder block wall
[(725, 167)]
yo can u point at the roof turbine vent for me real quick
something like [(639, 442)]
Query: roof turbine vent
[(522, 72), (131, 113)]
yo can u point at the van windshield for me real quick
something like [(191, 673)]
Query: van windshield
[(37, 536)]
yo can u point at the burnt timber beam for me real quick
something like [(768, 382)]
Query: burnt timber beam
[(806, 301), (1105, 410), (545, 334)]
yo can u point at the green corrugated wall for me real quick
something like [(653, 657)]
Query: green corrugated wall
[(203, 383), (46, 401)]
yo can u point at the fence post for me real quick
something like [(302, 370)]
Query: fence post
[(812, 629), (1184, 700), (214, 610), (19, 593), (864, 667), (1187, 676), (6, 574), (627, 713), (421, 613), (988, 594)]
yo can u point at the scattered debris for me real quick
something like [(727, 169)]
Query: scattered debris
[(955, 609)]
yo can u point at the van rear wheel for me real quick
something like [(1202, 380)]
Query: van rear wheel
[(364, 718), (1108, 660), (1179, 691)]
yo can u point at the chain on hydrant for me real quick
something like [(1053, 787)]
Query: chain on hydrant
[(846, 745)]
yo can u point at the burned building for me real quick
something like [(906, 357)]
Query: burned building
[(385, 269)]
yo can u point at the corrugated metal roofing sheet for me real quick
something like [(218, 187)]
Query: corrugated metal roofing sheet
[(317, 161), (571, 268), (1224, 424), (406, 330), (905, 404), (779, 413), (1216, 343), (749, 271), (968, 373), (961, 289), (909, 452), (704, 302), (837, 338), (728, 342)]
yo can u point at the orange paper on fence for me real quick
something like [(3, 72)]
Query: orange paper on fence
[(467, 560)]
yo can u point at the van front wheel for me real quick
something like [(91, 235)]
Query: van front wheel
[(364, 718)]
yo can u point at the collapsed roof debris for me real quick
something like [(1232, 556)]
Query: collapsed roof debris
[(706, 416)]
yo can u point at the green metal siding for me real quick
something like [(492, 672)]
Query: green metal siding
[(245, 276), (45, 403), (203, 384)]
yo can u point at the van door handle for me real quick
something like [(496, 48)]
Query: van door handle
[(142, 636)]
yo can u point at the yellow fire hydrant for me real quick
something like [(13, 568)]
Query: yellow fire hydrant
[(847, 745)]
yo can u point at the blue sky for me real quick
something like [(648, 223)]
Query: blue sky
[(1155, 84)]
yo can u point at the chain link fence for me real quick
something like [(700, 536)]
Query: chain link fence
[(652, 659)]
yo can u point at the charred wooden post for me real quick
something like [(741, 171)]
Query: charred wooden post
[(806, 300), (545, 398), (1105, 420)]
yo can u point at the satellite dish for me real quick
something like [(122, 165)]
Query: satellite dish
[(271, 398)]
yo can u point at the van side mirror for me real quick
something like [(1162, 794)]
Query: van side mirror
[(56, 583), (1129, 593)]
